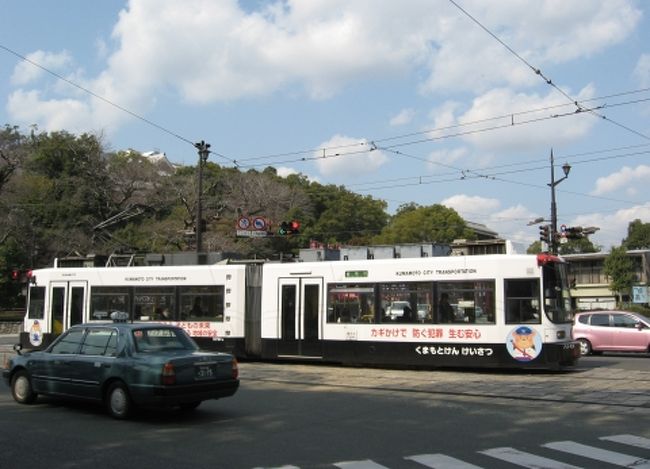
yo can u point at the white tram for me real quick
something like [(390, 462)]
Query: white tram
[(476, 311)]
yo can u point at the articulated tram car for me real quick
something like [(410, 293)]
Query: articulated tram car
[(476, 311)]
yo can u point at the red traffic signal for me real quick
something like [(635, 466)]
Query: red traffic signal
[(289, 228), (15, 275)]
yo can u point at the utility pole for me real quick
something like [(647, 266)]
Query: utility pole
[(553, 234), (204, 151)]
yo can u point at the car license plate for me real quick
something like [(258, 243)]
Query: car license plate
[(205, 371)]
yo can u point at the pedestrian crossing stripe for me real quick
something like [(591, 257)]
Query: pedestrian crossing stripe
[(631, 440), (365, 464), (603, 455), (522, 458), (441, 461)]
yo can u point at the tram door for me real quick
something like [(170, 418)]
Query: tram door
[(67, 301), (299, 315)]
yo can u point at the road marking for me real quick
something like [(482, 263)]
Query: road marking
[(365, 464), (278, 467), (612, 457), (631, 440), (523, 459), (441, 461)]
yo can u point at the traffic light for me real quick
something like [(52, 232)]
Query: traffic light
[(289, 228), (545, 233), (22, 276), (574, 232)]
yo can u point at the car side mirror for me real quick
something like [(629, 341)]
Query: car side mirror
[(18, 348), (639, 325)]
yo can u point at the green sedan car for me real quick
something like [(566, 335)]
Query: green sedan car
[(124, 365)]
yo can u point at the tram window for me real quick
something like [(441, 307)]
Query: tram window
[(154, 303), (350, 303), (36, 303), (406, 302), (522, 301), (466, 302), (107, 300), (202, 303)]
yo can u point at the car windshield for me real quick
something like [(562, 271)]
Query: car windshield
[(162, 339)]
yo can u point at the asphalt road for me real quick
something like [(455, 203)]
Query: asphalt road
[(305, 416)]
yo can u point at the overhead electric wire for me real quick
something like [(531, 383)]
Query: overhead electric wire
[(370, 144), (464, 173), (108, 101), (92, 93), (538, 72), (373, 144)]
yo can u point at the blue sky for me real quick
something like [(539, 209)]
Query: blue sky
[(428, 101)]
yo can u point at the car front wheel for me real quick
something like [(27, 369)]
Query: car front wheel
[(21, 388), (585, 347), (118, 401)]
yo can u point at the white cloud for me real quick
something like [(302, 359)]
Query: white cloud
[(613, 226), (25, 72), (642, 70), (284, 171), (217, 51), (542, 33), (466, 204), (405, 116), (625, 178), (444, 116), (518, 121), (30, 107), (446, 159), (345, 158)]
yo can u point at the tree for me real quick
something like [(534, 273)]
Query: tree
[(638, 235), (534, 248), (620, 269), (341, 216), (435, 223), (12, 153)]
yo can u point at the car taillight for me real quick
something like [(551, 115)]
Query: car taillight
[(235, 369), (168, 375)]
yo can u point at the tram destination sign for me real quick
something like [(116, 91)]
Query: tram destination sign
[(356, 273)]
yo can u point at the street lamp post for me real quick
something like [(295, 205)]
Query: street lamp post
[(204, 151), (553, 234)]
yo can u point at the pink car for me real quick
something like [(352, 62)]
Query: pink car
[(621, 331)]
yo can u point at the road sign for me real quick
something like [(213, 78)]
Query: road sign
[(252, 227), (259, 223)]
